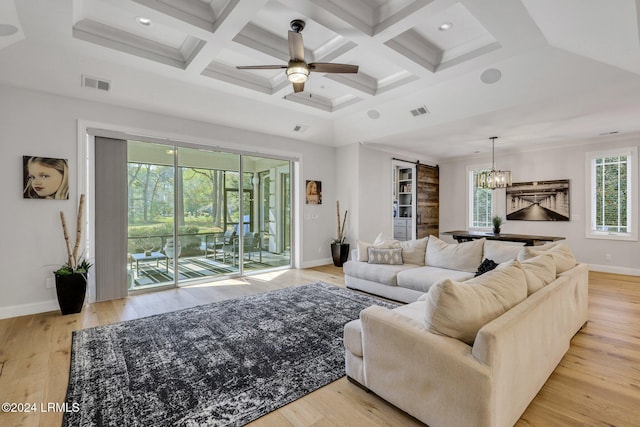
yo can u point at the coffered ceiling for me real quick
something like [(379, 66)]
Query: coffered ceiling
[(529, 71)]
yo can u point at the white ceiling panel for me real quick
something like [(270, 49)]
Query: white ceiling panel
[(567, 68)]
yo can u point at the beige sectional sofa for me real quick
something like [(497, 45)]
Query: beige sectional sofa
[(425, 262), (473, 352)]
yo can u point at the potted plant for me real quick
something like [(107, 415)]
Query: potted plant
[(340, 249), (497, 222), (71, 277)]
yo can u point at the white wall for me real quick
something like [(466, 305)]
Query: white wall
[(37, 123), (548, 164), (369, 200)]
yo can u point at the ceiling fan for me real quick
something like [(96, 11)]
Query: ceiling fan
[(297, 69)]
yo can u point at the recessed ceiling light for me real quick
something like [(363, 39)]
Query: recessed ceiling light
[(373, 114), (491, 75), (144, 21), (445, 26), (7, 30)]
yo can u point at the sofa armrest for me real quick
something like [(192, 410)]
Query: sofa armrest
[(432, 377)]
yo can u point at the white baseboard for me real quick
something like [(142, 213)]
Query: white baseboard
[(615, 270), (25, 309), (317, 262)]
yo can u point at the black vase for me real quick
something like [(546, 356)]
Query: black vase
[(340, 253), (496, 230), (71, 289)]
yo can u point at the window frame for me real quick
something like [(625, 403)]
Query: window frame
[(470, 187), (632, 194)]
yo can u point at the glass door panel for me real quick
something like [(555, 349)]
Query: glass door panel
[(267, 201), (150, 214), (205, 212)]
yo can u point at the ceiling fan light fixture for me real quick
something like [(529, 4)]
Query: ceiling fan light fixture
[(297, 72)]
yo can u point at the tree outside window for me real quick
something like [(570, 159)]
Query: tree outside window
[(612, 191)]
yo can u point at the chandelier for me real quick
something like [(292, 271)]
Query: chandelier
[(494, 178)]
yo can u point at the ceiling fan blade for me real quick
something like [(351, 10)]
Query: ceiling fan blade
[(260, 67), (328, 67), (296, 47), (298, 87)]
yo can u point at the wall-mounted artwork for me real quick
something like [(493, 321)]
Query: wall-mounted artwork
[(314, 192), (45, 178), (538, 201)]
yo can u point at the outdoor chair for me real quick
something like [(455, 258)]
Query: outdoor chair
[(251, 244)]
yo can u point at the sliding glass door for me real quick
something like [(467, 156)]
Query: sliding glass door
[(196, 214), (151, 188)]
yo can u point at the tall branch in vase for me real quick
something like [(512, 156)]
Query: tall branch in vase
[(74, 259), (341, 236)]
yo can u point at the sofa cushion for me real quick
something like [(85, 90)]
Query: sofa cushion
[(353, 337), (362, 253), (500, 252), (465, 256), (385, 256), (381, 241), (380, 273), (413, 251), (561, 253), (460, 309), (423, 278), (539, 272)]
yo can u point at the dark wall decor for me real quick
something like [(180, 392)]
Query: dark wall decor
[(538, 201), (314, 192), (45, 178)]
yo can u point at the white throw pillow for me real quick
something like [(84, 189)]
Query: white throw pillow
[(561, 253), (363, 253), (383, 241), (500, 252), (460, 309), (413, 251), (539, 272), (465, 256)]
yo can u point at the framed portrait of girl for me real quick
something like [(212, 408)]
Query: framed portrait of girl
[(45, 178), (314, 192)]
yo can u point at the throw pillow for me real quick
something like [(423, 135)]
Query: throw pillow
[(562, 255), (363, 250), (501, 252), (392, 256), (539, 272), (460, 309), (465, 256), (413, 251), (487, 265), (383, 241)]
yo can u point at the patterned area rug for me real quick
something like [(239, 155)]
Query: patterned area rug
[(226, 363)]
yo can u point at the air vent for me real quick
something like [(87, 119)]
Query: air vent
[(300, 128), (420, 111), (96, 83)]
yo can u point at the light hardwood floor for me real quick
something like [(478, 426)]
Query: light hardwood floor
[(597, 382)]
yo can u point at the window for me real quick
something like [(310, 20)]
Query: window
[(612, 194), (480, 202)]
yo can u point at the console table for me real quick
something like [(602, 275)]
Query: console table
[(527, 239)]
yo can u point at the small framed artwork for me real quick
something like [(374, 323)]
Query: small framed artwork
[(45, 178), (538, 201), (314, 192)]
